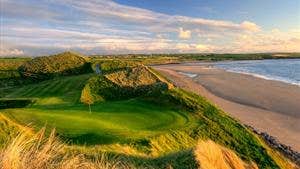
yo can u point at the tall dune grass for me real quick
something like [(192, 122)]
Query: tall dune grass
[(36, 151), (209, 155), (39, 152)]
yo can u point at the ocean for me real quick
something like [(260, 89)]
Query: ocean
[(285, 70)]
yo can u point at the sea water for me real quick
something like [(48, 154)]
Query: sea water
[(285, 70)]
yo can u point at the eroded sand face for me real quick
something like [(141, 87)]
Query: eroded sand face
[(269, 106)]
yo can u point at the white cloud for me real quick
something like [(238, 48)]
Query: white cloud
[(105, 26), (5, 51), (155, 21), (272, 41), (184, 34), (250, 26)]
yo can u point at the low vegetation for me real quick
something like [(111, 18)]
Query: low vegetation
[(108, 66), (9, 130), (123, 84), (9, 76), (35, 151), (47, 67), (126, 111), (14, 103), (209, 155), (40, 152), (148, 59)]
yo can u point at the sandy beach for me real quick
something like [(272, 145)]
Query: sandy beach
[(269, 106)]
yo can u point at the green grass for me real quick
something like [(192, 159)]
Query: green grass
[(9, 64), (156, 125), (57, 106), (62, 90), (47, 67), (109, 122)]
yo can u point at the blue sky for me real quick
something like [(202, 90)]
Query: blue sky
[(267, 13), (41, 27)]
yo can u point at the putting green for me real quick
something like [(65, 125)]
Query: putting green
[(57, 106), (109, 122)]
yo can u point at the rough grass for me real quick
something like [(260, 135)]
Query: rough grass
[(216, 125), (209, 155), (108, 66), (9, 130), (10, 64), (40, 152), (46, 67), (36, 151), (124, 84), (158, 129), (9, 76)]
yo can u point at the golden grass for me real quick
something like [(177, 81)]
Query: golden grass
[(10, 123), (170, 143), (39, 152), (280, 159), (210, 155), (35, 151), (160, 78), (133, 77)]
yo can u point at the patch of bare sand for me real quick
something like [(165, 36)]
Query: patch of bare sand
[(269, 106)]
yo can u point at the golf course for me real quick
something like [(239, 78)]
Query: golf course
[(125, 108)]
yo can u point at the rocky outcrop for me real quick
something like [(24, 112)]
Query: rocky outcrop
[(274, 143)]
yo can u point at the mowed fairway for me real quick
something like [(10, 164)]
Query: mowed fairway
[(58, 106)]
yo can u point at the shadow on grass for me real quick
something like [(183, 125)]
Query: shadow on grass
[(180, 160), (90, 139)]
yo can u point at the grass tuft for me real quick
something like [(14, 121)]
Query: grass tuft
[(40, 152), (210, 155)]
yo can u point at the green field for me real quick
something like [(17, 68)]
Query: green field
[(57, 106), (108, 123), (62, 90)]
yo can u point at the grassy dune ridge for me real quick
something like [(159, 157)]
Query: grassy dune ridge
[(137, 115), (125, 84), (46, 67)]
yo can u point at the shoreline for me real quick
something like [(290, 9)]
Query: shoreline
[(267, 105), (266, 77), (263, 77)]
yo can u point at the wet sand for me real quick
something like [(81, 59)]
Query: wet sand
[(269, 106)]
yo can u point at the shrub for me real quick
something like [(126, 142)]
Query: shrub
[(14, 103)]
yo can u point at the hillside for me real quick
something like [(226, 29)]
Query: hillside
[(67, 63), (9, 74), (137, 116), (125, 84)]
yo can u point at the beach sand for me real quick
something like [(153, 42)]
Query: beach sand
[(269, 106)]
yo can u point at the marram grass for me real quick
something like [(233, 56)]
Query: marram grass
[(40, 152)]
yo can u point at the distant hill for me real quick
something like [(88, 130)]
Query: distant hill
[(46, 67)]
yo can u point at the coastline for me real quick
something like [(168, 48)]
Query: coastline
[(264, 77), (267, 105)]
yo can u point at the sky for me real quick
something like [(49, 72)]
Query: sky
[(42, 27)]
